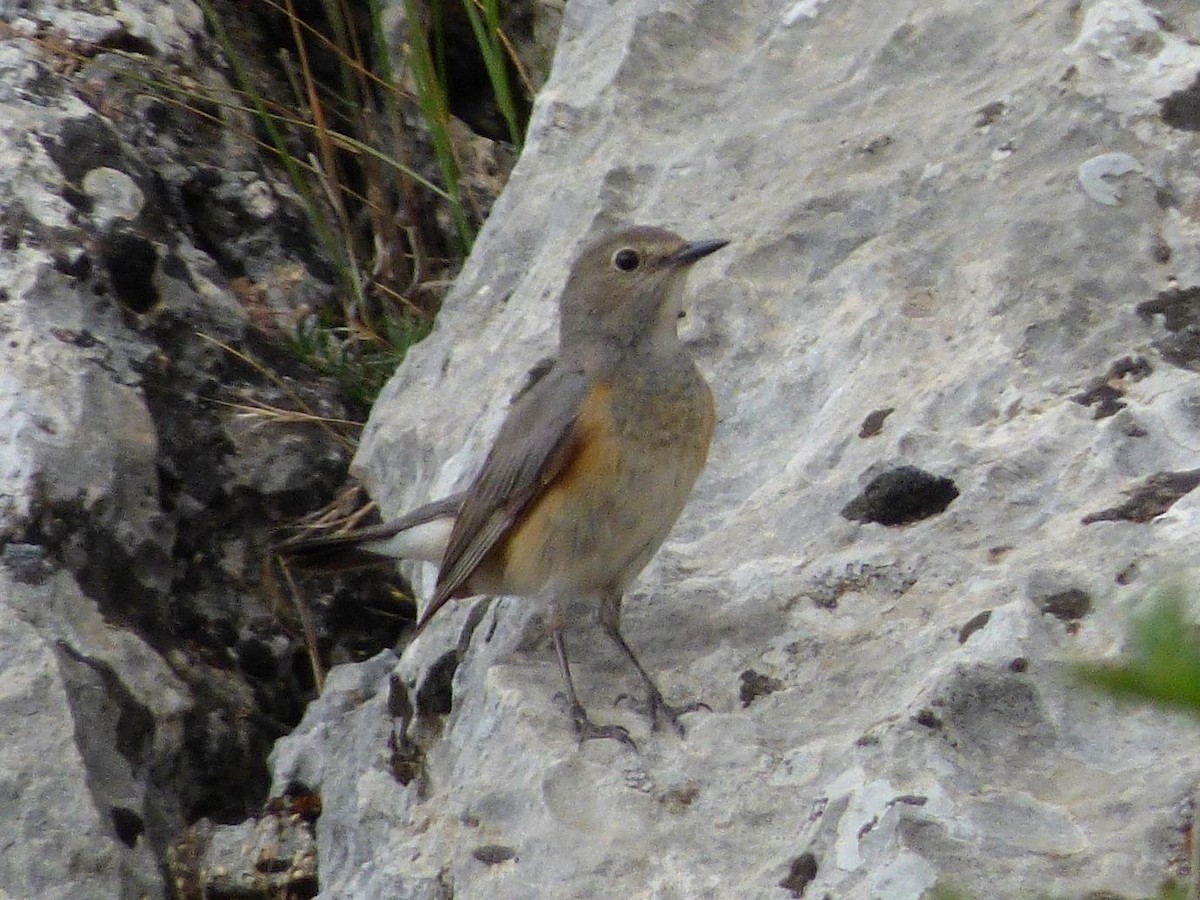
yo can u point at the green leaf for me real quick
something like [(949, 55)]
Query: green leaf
[(1163, 661)]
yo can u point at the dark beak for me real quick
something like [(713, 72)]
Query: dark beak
[(696, 250)]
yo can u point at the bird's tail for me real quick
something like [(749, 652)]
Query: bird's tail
[(417, 535)]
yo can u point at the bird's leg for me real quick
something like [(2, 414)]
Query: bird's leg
[(610, 620), (585, 728)]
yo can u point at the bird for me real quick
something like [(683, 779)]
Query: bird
[(588, 473)]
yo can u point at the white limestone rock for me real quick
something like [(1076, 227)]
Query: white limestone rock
[(901, 186)]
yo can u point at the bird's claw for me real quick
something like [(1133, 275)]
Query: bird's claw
[(657, 709), (587, 730)]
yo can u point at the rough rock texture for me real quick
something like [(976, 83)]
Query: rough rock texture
[(144, 672), (953, 211)]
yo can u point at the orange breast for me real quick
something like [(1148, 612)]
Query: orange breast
[(608, 510), (554, 528)]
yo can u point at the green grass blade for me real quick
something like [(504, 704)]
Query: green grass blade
[(487, 35), (431, 96), (347, 271)]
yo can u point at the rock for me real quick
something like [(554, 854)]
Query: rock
[(281, 850), (90, 713), (146, 665), (902, 189)]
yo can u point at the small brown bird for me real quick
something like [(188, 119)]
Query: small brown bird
[(589, 471)]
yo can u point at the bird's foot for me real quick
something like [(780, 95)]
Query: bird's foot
[(658, 709), (587, 730)]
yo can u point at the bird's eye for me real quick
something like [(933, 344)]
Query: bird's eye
[(627, 259)]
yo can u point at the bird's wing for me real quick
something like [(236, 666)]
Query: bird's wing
[(534, 444)]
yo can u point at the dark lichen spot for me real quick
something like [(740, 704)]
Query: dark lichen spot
[(494, 854), (1105, 393), (1180, 309), (1019, 664), (1182, 108), (801, 871), (873, 423), (1067, 605), (973, 625), (876, 145), (1160, 250), (901, 496), (927, 718), (826, 600), (989, 113), (1150, 499), (678, 799), (755, 685)]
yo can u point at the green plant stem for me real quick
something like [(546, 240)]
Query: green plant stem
[(431, 96), (487, 35), (347, 273)]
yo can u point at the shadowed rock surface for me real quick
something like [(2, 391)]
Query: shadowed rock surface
[(147, 665)]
